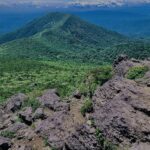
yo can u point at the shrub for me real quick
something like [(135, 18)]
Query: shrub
[(87, 107), (136, 72), (7, 134), (102, 74), (96, 76), (46, 142), (34, 103), (104, 143)]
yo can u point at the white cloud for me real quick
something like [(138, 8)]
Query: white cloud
[(108, 2), (68, 2)]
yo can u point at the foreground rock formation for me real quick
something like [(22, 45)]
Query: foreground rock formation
[(122, 108), (121, 115)]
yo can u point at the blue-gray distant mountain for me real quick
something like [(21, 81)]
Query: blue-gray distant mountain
[(132, 21)]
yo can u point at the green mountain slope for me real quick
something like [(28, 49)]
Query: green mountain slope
[(59, 36)]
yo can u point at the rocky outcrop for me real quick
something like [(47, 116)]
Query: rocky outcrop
[(15, 102), (4, 143), (122, 108), (84, 139), (26, 115), (52, 100), (55, 123)]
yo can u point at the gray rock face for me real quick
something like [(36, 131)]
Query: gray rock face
[(15, 102), (83, 139), (77, 95), (54, 129), (16, 127), (5, 143), (51, 100), (39, 114), (25, 148), (122, 111), (122, 65), (120, 59), (26, 115)]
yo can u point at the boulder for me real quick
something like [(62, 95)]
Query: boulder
[(26, 115), (23, 147), (5, 143), (52, 100), (39, 114), (83, 139), (77, 94), (16, 127), (15, 102), (120, 58), (54, 130)]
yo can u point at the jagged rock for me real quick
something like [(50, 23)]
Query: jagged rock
[(77, 94), (53, 129), (6, 120), (57, 128), (148, 84), (51, 100), (83, 139), (5, 143), (145, 80), (15, 102), (16, 127), (39, 114), (120, 59), (23, 147), (122, 68), (26, 115), (122, 111), (27, 133)]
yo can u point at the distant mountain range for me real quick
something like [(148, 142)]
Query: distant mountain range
[(130, 21)]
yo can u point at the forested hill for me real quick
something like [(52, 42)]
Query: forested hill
[(62, 36)]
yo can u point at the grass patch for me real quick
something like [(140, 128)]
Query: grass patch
[(136, 72), (34, 103), (106, 145), (7, 134), (96, 76), (87, 107), (32, 77)]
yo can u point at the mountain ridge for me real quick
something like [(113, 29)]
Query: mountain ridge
[(45, 22), (59, 36)]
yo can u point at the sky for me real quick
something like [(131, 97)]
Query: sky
[(70, 2)]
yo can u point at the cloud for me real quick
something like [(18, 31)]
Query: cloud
[(108, 2), (70, 2)]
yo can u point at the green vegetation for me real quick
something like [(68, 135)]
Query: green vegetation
[(7, 134), (87, 107), (34, 103), (46, 142), (102, 74), (96, 76), (60, 51), (59, 36), (136, 72), (105, 144), (32, 77), (65, 37)]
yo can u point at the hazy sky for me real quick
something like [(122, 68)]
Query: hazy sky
[(67, 2)]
